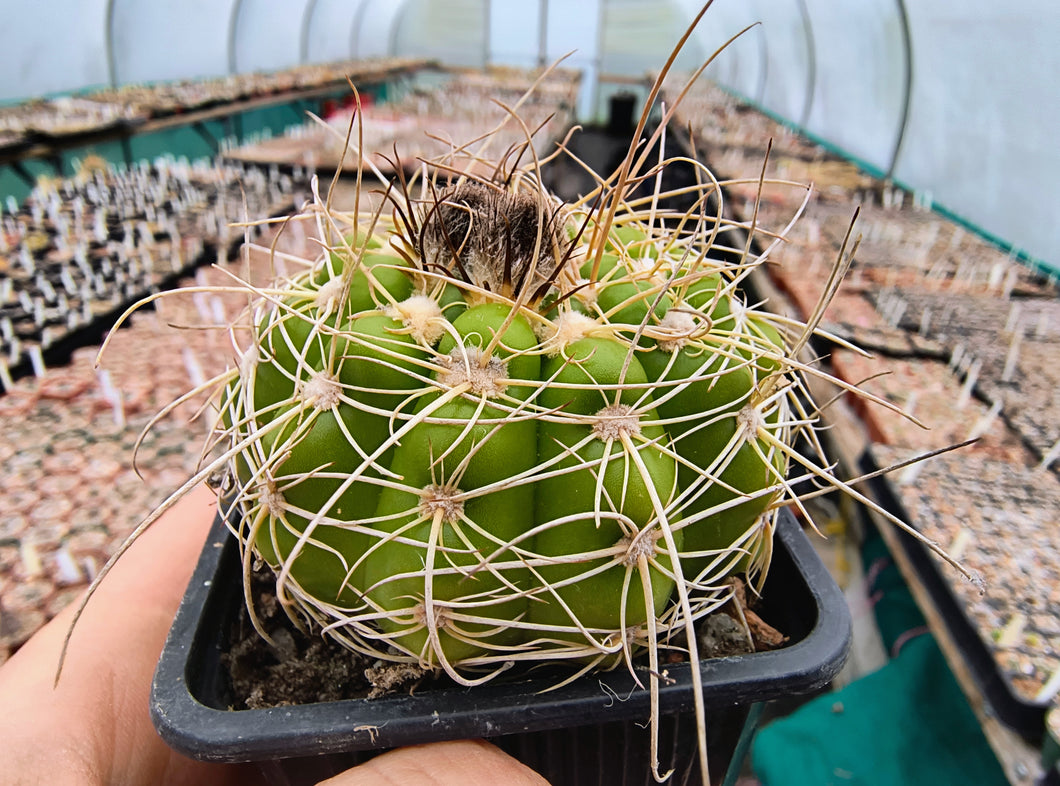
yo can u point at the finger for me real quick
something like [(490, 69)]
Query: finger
[(461, 763), (95, 725)]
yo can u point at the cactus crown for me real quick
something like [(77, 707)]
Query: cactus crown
[(502, 241)]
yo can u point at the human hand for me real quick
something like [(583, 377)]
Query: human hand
[(94, 726)]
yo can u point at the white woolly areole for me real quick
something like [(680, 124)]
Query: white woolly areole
[(272, 498), (638, 546), (678, 327), (568, 327), (441, 619), (614, 421), (749, 420), (328, 295), (421, 315), (322, 390), (465, 364), (435, 498)]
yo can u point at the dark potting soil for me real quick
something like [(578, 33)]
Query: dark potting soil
[(298, 667), (306, 668), (293, 669)]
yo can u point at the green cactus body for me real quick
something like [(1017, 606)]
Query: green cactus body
[(713, 423), (606, 500), (702, 294), (622, 298), (633, 241), (321, 564), (378, 274), (445, 532), (464, 446), (304, 455), (457, 472)]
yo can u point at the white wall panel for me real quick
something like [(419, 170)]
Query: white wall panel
[(375, 36), (515, 32), (170, 39), (638, 36), (329, 29), (787, 40), (981, 109), (453, 31), (268, 34), (984, 115), (981, 100), (572, 31), (860, 87), (575, 28), (52, 47), (742, 65)]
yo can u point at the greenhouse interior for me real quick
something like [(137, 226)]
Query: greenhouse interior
[(520, 352)]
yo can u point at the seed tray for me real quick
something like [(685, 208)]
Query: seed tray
[(1007, 673)]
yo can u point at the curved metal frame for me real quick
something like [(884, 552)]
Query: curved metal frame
[(907, 44), (763, 70), (811, 63), (542, 32), (355, 29), (303, 39), (233, 25), (108, 43), (487, 11), (395, 26), (598, 63)]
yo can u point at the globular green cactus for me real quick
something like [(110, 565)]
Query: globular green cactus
[(485, 427), (494, 429)]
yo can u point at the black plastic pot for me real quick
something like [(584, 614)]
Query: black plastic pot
[(593, 730)]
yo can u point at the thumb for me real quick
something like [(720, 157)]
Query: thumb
[(460, 763)]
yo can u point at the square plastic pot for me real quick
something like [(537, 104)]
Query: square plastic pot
[(593, 730)]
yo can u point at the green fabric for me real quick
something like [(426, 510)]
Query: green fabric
[(903, 725), (896, 611)]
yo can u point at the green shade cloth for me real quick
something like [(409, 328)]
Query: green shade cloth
[(906, 724)]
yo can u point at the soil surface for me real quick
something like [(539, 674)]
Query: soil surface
[(299, 667)]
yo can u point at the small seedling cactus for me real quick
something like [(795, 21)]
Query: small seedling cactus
[(484, 427)]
